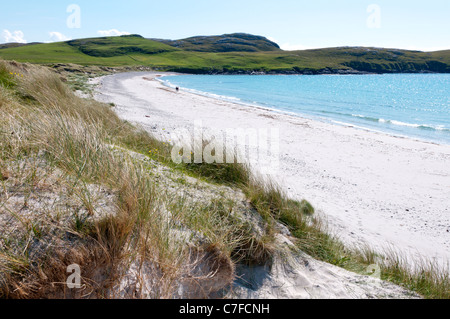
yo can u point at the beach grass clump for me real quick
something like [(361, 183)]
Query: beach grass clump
[(6, 77), (311, 235), (224, 173), (272, 203), (225, 229), (425, 277), (217, 166)]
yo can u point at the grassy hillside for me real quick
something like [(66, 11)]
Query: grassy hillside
[(15, 45), (137, 51), (112, 47), (237, 42)]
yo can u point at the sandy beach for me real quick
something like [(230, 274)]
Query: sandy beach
[(373, 188)]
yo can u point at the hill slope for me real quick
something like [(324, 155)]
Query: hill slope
[(236, 42), (226, 54), (16, 45), (111, 47)]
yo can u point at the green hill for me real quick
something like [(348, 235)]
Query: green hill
[(237, 42), (15, 45), (227, 54), (125, 45)]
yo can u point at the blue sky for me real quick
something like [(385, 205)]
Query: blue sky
[(294, 24)]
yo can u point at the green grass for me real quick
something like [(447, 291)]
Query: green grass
[(122, 46), (137, 51), (236, 42), (6, 77)]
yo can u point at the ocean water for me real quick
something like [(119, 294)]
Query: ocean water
[(414, 105)]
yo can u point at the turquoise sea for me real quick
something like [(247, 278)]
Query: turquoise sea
[(414, 105)]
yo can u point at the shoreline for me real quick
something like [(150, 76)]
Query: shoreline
[(326, 71), (372, 188), (299, 115)]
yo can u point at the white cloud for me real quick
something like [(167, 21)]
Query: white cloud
[(58, 37), (15, 36), (112, 33), (289, 46)]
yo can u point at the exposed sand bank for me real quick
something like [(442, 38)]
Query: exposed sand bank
[(372, 187)]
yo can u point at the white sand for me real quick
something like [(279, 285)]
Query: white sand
[(373, 188)]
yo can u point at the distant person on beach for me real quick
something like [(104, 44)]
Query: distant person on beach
[(178, 89)]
